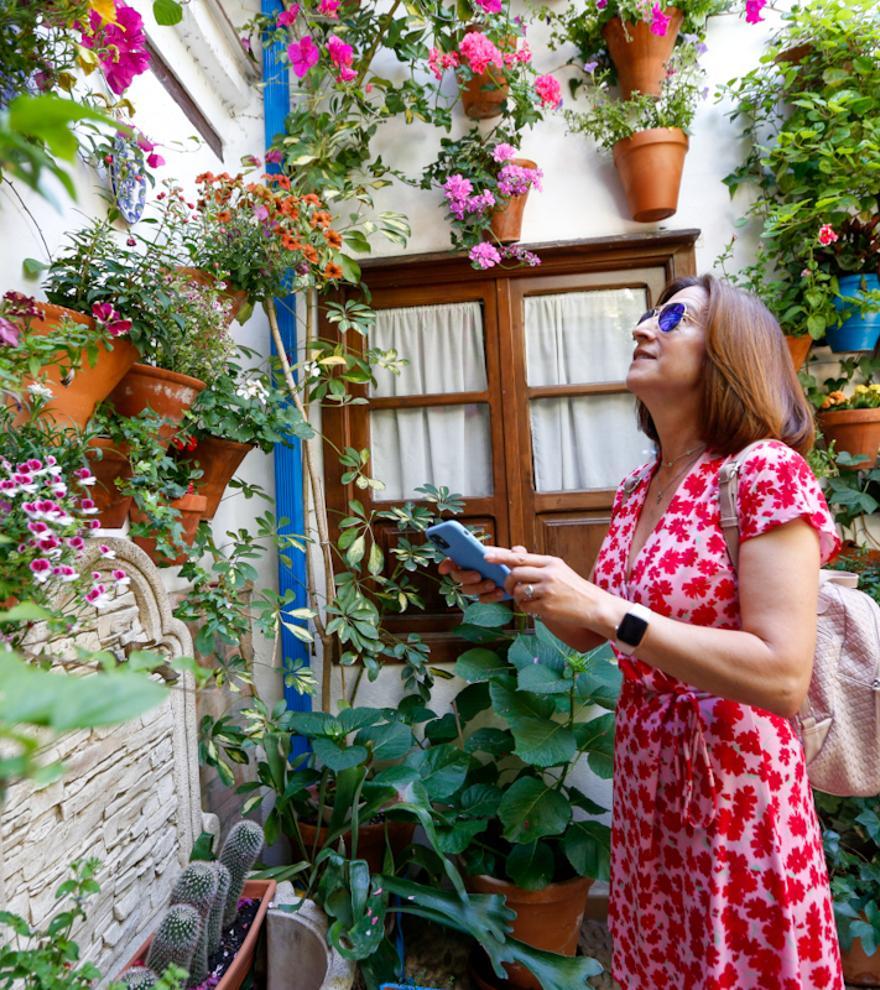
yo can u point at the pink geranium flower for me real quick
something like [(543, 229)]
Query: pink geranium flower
[(549, 92), (8, 333), (329, 8), (121, 47), (287, 17), (484, 255), (303, 54), (479, 52), (659, 21), (490, 6), (340, 53), (503, 152), (753, 10), (827, 235)]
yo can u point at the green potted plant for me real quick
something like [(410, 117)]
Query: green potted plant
[(852, 254), (851, 839), (504, 799), (809, 113), (241, 409), (485, 188)]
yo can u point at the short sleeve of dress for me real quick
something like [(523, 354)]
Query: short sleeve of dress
[(776, 486)]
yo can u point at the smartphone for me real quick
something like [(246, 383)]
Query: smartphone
[(465, 549)]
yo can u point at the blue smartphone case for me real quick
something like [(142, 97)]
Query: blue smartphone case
[(465, 549)]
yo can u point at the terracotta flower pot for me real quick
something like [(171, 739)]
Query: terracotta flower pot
[(545, 919), (236, 298), (483, 95), (111, 467), (507, 220), (219, 460), (854, 430), (232, 979), (190, 508), (860, 969), (799, 348), (649, 165), (166, 392), (371, 840), (639, 55), (73, 403)]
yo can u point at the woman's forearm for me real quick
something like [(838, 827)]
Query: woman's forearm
[(577, 637)]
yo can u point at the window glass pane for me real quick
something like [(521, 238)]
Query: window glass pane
[(440, 445), (443, 344), (581, 337), (585, 442)]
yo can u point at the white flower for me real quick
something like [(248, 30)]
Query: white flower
[(37, 388), (107, 552)]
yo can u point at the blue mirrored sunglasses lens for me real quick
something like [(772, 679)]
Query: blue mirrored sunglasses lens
[(670, 316)]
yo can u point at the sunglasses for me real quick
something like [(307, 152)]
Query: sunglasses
[(668, 316)]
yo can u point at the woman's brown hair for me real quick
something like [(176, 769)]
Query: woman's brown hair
[(750, 389)]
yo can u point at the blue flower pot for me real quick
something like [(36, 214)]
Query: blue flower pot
[(857, 333)]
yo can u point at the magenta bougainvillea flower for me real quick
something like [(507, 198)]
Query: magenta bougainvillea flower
[(121, 47), (287, 17), (753, 10), (329, 8), (479, 52), (827, 235), (659, 21), (490, 6), (303, 54), (274, 157), (549, 92), (340, 53)]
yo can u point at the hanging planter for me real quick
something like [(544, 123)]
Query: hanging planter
[(219, 460), (639, 55), (240, 965), (74, 399), (507, 220), (483, 95), (191, 508), (857, 332), (111, 467), (650, 164), (549, 919), (799, 348), (167, 393), (234, 298), (856, 431)]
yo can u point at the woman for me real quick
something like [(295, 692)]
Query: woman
[(717, 876)]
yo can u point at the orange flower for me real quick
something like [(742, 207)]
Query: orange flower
[(205, 177), (311, 199), (289, 207), (310, 254), (224, 216), (333, 238), (290, 243), (332, 271), (321, 218), (279, 180)]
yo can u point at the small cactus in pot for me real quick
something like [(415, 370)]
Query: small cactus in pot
[(197, 887), (176, 939), (239, 853)]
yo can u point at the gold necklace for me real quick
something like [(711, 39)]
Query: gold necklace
[(677, 477), (699, 446)]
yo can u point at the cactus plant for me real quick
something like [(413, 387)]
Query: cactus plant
[(218, 908), (176, 939), (240, 850), (197, 886), (139, 978)]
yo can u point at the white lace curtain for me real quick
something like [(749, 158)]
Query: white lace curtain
[(583, 442)]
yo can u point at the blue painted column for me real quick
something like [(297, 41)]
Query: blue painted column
[(288, 460)]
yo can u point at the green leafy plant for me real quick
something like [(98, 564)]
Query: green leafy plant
[(851, 839), (501, 792), (809, 113)]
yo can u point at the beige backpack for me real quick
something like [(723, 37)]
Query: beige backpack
[(839, 724)]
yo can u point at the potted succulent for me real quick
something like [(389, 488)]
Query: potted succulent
[(813, 94), (485, 188), (504, 799), (241, 409), (213, 920), (646, 134), (851, 839), (67, 360)]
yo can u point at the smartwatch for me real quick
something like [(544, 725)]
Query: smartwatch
[(632, 628)]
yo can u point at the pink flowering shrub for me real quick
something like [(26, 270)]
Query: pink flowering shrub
[(121, 47), (477, 52)]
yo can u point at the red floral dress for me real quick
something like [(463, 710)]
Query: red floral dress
[(717, 873)]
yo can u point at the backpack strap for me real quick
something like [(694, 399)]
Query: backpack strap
[(728, 483), (631, 484)]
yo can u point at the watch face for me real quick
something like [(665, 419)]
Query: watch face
[(631, 629)]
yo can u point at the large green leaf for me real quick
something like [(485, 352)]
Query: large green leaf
[(530, 809), (455, 838), (487, 616), (531, 866), (479, 665), (543, 742), (313, 724), (495, 742), (472, 700), (442, 769), (513, 705), (542, 680), (587, 846), (357, 718), (390, 742), (600, 683), (596, 738), (480, 800), (337, 757)]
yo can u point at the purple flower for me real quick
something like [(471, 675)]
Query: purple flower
[(274, 157), (503, 152), (8, 332), (303, 54), (753, 11), (287, 17), (457, 187), (591, 66), (659, 21), (484, 255), (41, 569)]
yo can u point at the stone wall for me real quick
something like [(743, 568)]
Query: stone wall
[(129, 795)]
